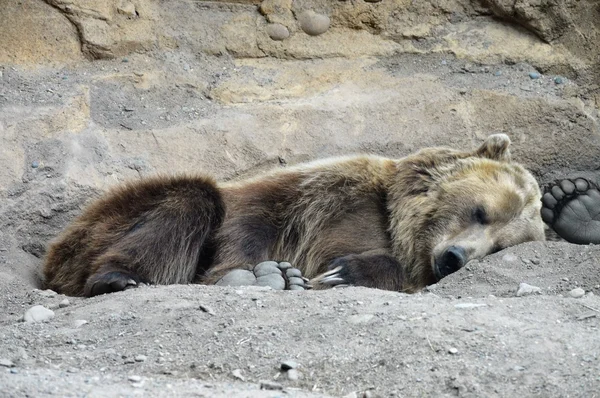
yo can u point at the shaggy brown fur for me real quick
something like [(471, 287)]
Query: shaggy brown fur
[(391, 224)]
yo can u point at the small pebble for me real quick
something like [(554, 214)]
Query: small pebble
[(444, 62), (14, 371), (509, 258), (6, 363), (270, 385), (293, 374), (526, 289), (558, 80), (64, 303), (207, 309), (38, 313), (47, 293), (498, 73), (534, 75), (312, 23), (79, 322), (469, 305), (287, 365), (452, 350), (277, 32), (124, 60), (141, 358), (134, 379), (577, 292), (237, 373), (35, 164)]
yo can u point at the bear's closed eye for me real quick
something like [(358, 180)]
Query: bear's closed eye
[(479, 215)]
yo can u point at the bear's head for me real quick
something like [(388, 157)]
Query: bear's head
[(470, 204)]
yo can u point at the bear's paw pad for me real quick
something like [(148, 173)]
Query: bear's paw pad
[(572, 209), (276, 275)]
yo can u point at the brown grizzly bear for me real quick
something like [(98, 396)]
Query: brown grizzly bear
[(363, 220)]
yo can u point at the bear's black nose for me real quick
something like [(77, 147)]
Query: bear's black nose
[(451, 260)]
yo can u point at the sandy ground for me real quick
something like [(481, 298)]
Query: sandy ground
[(70, 130)]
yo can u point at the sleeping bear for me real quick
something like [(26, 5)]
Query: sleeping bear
[(396, 224)]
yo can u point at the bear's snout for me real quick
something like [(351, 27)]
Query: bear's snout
[(451, 260)]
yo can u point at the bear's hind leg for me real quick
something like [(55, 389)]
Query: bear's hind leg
[(572, 209), (276, 275)]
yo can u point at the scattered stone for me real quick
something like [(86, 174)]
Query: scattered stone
[(509, 258), (293, 374), (38, 313), (141, 358), (287, 365), (47, 293), (270, 385), (206, 309), (134, 379), (463, 306), (64, 303), (127, 8), (14, 371), (312, 23), (6, 363), (372, 1), (498, 73), (128, 361), (526, 289), (237, 373), (360, 318), (277, 31), (35, 164), (452, 350), (558, 80), (79, 322), (577, 292), (534, 75)]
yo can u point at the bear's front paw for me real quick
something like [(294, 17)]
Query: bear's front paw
[(277, 276)]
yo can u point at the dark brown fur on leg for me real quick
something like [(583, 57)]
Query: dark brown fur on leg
[(157, 230)]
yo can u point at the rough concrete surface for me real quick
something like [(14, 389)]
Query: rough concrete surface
[(93, 93)]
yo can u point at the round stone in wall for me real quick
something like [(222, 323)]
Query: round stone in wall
[(312, 23), (277, 31)]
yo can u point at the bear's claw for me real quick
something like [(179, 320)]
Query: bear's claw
[(572, 209)]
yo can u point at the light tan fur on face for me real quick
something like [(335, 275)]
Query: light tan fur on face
[(510, 198)]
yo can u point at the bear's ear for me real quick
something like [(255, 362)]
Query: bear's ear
[(495, 147)]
